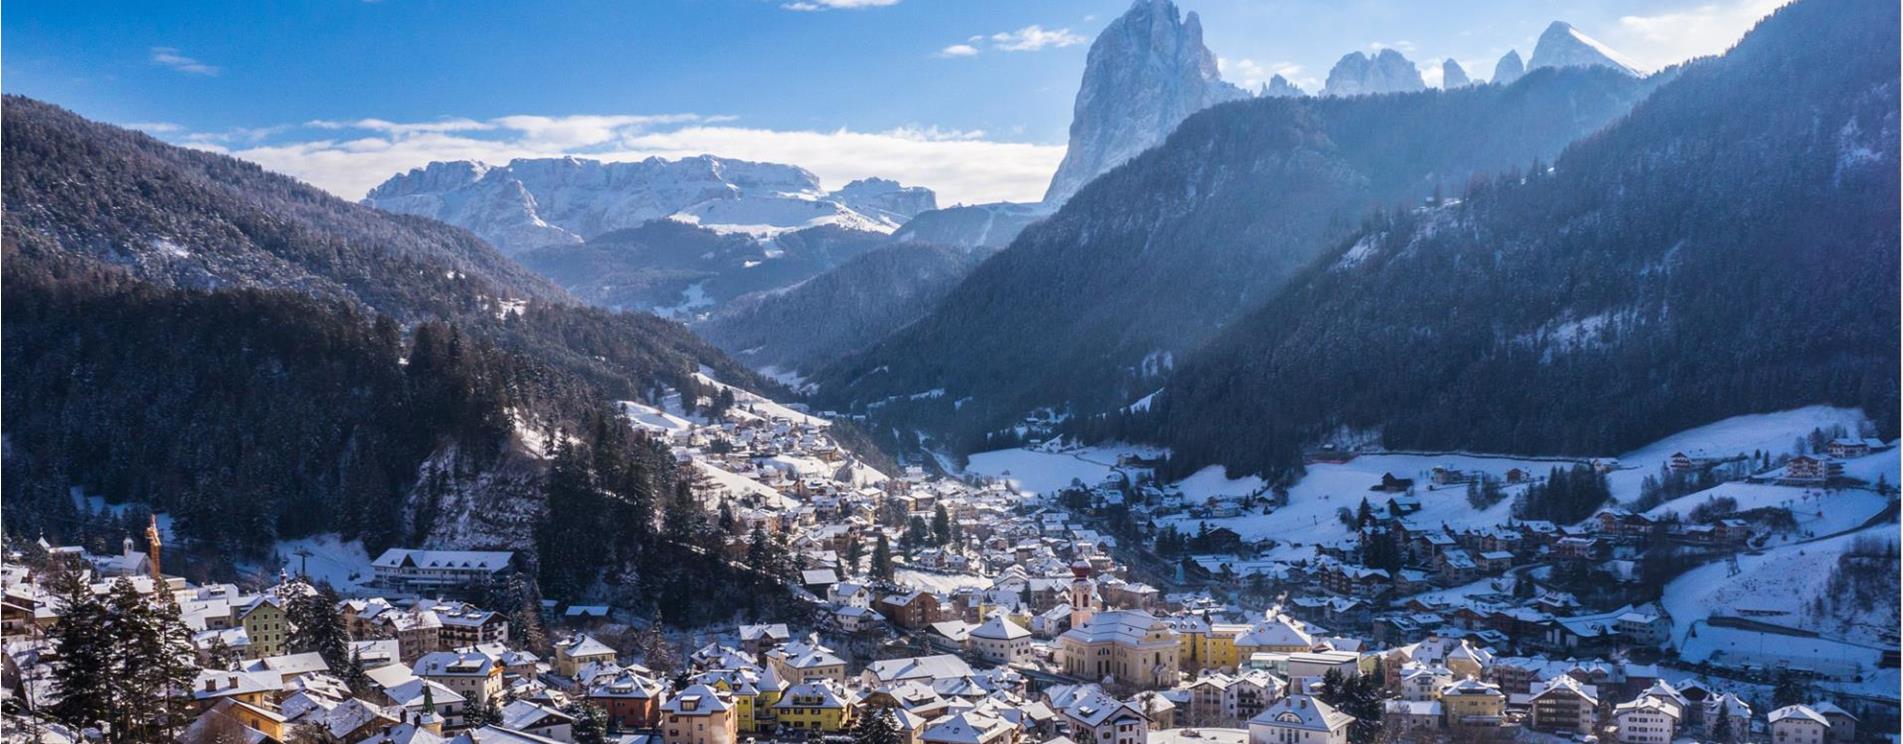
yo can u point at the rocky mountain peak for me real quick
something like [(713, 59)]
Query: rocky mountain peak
[(1452, 75), (1561, 45), (1388, 71), (1145, 73), (1509, 68), (1280, 87)]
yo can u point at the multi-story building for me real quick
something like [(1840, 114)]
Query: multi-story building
[(1799, 724), (699, 715), (1647, 720), (817, 706), (425, 571), (1471, 702), (474, 675), (1300, 719), (573, 654), (1131, 647), (1001, 641), (1563, 705), (629, 700), (266, 625), (1101, 719)]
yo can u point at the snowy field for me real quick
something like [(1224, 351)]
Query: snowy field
[(1774, 587), (760, 405), (1309, 518), (653, 419), (938, 583), (1818, 511), (1046, 470), (1770, 432), (738, 486), (342, 563)]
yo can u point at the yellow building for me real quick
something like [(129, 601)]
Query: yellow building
[(1131, 647), (267, 625), (573, 654), (753, 701), (815, 705), (1219, 646), (1471, 701), (699, 715), (803, 661)]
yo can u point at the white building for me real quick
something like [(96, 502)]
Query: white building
[(1102, 719), (1001, 641), (1799, 724), (425, 571), (1300, 719), (1647, 720)]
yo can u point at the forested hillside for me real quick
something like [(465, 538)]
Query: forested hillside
[(180, 217), (841, 311), (194, 335), (1731, 247), (1088, 309)]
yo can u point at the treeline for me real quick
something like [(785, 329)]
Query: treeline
[(1567, 496), (625, 523), (249, 416), (1728, 248)]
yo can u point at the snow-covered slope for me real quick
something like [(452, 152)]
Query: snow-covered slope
[(531, 203), (1781, 587), (992, 225), (1775, 433), (1146, 72), (1564, 46)]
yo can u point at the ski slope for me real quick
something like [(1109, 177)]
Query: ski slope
[(1774, 586)]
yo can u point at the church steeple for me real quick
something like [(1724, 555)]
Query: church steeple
[(1082, 591)]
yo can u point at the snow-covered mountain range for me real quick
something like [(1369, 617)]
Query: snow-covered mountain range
[(532, 203)]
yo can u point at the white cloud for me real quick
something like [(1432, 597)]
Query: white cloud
[(958, 50), (1403, 46), (154, 127), (1668, 38), (1252, 75), (1033, 38), (380, 125), (347, 158), (170, 57), (818, 5)]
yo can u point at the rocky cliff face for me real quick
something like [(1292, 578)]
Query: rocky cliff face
[(564, 201), (1146, 72), (1509, 68), (1358, 74), (1452, 75), (886, 199), (1280, 87), (1561, 45)]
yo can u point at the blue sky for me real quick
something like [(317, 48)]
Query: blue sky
[(344, 93)]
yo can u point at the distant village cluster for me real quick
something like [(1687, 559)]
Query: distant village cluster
[(947, 611)]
